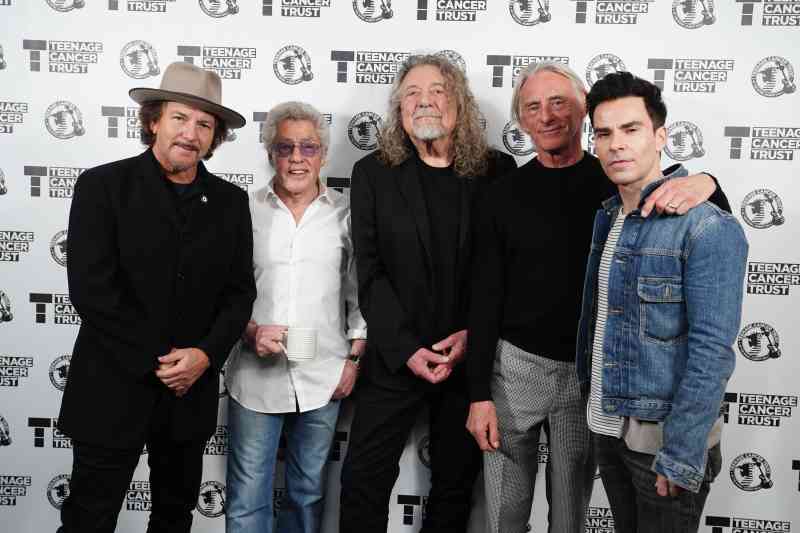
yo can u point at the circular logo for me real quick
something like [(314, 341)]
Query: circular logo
[(759, 341), (684, 141), (139, 60), (455, 58), (66, 5), (603, 64), (59, 369), (424, 451), (211, 502), (2, 58), (219, 8), (58, 248), (762, 209), (529, 12), (517, 141), (773, 76), (364, 130), (751, 472), (64, 120), (5, 308), (373, 10), (3, 187), (58, 490), (692, 14), (5, 432), (292, 65)]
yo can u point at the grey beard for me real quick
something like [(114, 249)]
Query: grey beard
[(428, 132)]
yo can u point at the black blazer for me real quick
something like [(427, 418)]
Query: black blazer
[(392, 240), (143, 283)]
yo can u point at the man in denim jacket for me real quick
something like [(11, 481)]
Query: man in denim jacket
[(661, 308)]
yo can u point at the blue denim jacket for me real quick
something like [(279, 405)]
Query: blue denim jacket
[(674, 306)]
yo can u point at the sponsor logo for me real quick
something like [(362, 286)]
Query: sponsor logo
[(750, 472), (58, 490), (2, 55), (139, 60), (5, 308), (295, 8), (14, 244), (11, 113), (765, 410), (691, 75), (116, 114), (59, 182), (277, 500), (517, 141), (66, 5), (40, 425), (211, 502), (588, 137), (773, 76), (611, 11), (774, 13), (242, 180), (455, 58), (762, 209), (599, 520), (138, 497), (59, 371), (543, 453), (363, 130), (424, 451), (3, 186), (13, 368), (217, 444), (684, 141), (452, 10), (63, 311), (66, 57), (229, 62), (411, 503), (5, 432), (693, 14), (64, 120), (373, 10), (530, 12), (517, 64), (766, 143), (759, 342), (601, 65), (13, 486), (772, 278), (292, 65), (5, 2), (371, 66), (140, 6), (340, 184), (720, 524), (58, 248), (219, 8), (796, 466)]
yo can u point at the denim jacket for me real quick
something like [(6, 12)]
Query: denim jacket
[(674, 306)]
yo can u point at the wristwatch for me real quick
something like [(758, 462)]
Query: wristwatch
[(355, 358)]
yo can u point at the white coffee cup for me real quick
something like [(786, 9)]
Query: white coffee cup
[(300, 344)]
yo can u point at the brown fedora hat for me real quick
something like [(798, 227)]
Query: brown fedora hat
[(190, 85)]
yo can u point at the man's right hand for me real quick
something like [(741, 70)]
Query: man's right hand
[(429, 365), (482, 423), (266, 339)]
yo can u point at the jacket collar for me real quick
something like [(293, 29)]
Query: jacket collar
[(674, 171)]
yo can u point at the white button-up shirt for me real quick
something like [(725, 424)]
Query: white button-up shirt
[(306, 277)]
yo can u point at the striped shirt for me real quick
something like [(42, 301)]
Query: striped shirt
[(599, 422)]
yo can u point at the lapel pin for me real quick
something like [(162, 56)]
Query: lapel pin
[(204, 199)]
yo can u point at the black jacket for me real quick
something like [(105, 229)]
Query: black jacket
[(144, 281)]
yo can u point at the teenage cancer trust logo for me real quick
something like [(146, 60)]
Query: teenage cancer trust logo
[(139, 60), (684, 141), (693, 14), (762, 209), (219, 8), (364, 130), (773, 76), (211, 502), (750, 472), (373, 10), (64, 120), (292, 65)]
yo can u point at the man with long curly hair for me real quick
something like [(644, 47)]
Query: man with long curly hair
[(411, 202)]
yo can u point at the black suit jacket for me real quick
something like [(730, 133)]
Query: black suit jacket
[(144, 281), (392, 240)]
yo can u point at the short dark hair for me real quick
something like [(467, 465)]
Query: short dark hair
[(621, 84), (150, 112)]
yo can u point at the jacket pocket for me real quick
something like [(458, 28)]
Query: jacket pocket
[(662, 313)]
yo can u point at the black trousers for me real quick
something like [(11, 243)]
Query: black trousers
[(383, 420), (101, 477)]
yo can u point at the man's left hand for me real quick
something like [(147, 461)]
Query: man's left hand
[(453, 346), (180, 368), (346, 382), (665, 487), (679, 195)]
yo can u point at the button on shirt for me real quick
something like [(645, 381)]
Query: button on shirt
[(306, 277)]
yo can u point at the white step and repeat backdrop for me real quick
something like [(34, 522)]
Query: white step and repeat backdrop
[(727, 70)]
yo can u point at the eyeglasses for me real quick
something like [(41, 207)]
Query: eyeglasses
[(307, 149)]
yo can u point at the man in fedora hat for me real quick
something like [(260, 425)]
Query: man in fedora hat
[(161, 272)]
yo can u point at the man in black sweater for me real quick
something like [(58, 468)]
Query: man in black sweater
[(533, 232)]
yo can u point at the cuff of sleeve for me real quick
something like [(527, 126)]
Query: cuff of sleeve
[(356, 334), (480, 394), (679, 473), (212, 362)]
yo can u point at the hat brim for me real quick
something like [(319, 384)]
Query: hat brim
[(142, 95)]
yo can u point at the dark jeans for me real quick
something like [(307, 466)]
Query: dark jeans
[(383, 420), (101, 477), (630, 485)]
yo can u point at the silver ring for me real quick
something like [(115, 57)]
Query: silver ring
[(673, 206)]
